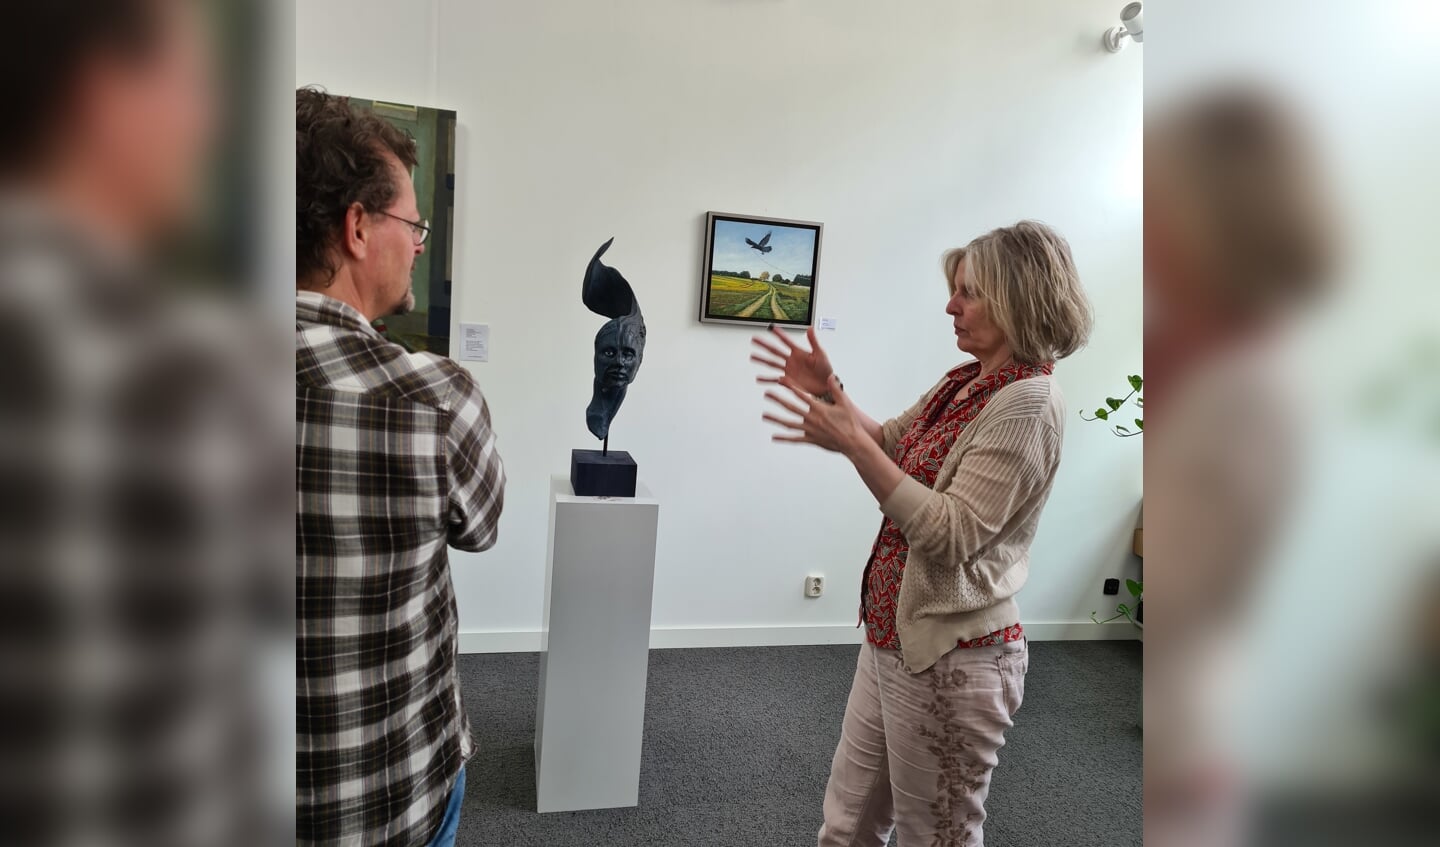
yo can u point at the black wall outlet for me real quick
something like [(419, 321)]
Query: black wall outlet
[(1112, 586)]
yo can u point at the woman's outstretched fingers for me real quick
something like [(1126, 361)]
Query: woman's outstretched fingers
[(769, 363), (797, 390), (783, 337), (798, 426), (784, 403), (769, 346)]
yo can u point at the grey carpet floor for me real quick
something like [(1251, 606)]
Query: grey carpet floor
[(738, 745)]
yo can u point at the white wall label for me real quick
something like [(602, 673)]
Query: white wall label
[(827, 323), (475, 342)]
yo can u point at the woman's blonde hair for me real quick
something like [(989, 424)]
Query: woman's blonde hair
[(1025, 275)]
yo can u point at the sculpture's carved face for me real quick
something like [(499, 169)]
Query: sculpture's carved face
[(619, 345), (619, 348)]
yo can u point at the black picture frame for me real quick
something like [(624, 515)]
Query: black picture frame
[(744, 254), (427, 326)]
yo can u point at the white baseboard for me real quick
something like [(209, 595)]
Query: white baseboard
[(753, 636), (528, 641), (512, 641), (1082, 631)]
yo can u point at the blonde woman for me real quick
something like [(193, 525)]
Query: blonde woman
[(961, 478)]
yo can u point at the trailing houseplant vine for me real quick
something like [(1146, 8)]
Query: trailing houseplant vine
[(1111, 407), (1125, 610), (1113, 404)]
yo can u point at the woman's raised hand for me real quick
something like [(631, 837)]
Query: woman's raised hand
[(809, 369), (836, 426)]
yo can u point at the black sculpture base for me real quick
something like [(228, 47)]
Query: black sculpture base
[(596, 474)]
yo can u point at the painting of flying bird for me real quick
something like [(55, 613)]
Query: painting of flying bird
[(760, 270)]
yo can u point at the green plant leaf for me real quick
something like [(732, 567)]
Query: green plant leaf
[(1139, 424), (1136, 382), (1123, 609), (1140, 401), (1102, 414), (1135, 588), (1112, 403), (1119, 428)]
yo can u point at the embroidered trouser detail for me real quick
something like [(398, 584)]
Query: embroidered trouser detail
[(916, 751)]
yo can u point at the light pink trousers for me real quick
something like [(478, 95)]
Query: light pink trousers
[(916, 751)]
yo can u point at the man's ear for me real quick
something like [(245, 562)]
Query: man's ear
[(355, 232)]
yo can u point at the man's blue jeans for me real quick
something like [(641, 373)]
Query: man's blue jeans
[(445, 836)]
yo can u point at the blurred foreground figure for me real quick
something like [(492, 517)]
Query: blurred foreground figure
[(133, 462), (1237, 241)]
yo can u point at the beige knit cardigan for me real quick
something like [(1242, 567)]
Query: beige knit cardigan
[(970, 535)]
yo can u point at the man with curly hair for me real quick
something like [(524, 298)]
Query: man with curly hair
[(395, 461)]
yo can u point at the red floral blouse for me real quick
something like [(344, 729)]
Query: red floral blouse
[(920, 453)]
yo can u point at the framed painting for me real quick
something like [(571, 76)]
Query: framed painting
[(427, 326), (760, 270)]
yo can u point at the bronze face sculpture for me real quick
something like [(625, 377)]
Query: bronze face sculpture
[(619, 345)]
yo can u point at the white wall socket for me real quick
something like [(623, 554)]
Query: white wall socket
[(814, 586)]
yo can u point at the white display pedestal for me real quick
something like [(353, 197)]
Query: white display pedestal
[(594, 649)]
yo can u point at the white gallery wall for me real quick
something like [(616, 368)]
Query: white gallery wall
[(906, 128)]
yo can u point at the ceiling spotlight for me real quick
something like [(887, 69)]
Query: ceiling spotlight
[(1131, 25)]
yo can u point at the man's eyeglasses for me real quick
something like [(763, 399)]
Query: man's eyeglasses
[(419, 229)]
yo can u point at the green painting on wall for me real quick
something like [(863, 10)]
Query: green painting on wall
[(427, 326)]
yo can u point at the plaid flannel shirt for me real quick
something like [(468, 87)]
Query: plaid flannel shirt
[(139, 486), (395, 461)]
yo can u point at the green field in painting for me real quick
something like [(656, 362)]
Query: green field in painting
[(758, 300), (794, 300)]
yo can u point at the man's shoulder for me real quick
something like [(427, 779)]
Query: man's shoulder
[(370, 364), (425, 378), (451, 383)]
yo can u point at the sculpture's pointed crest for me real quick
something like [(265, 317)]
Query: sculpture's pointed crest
[(606, 292)]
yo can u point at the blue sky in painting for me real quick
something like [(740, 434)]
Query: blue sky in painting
[(792, 253)]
